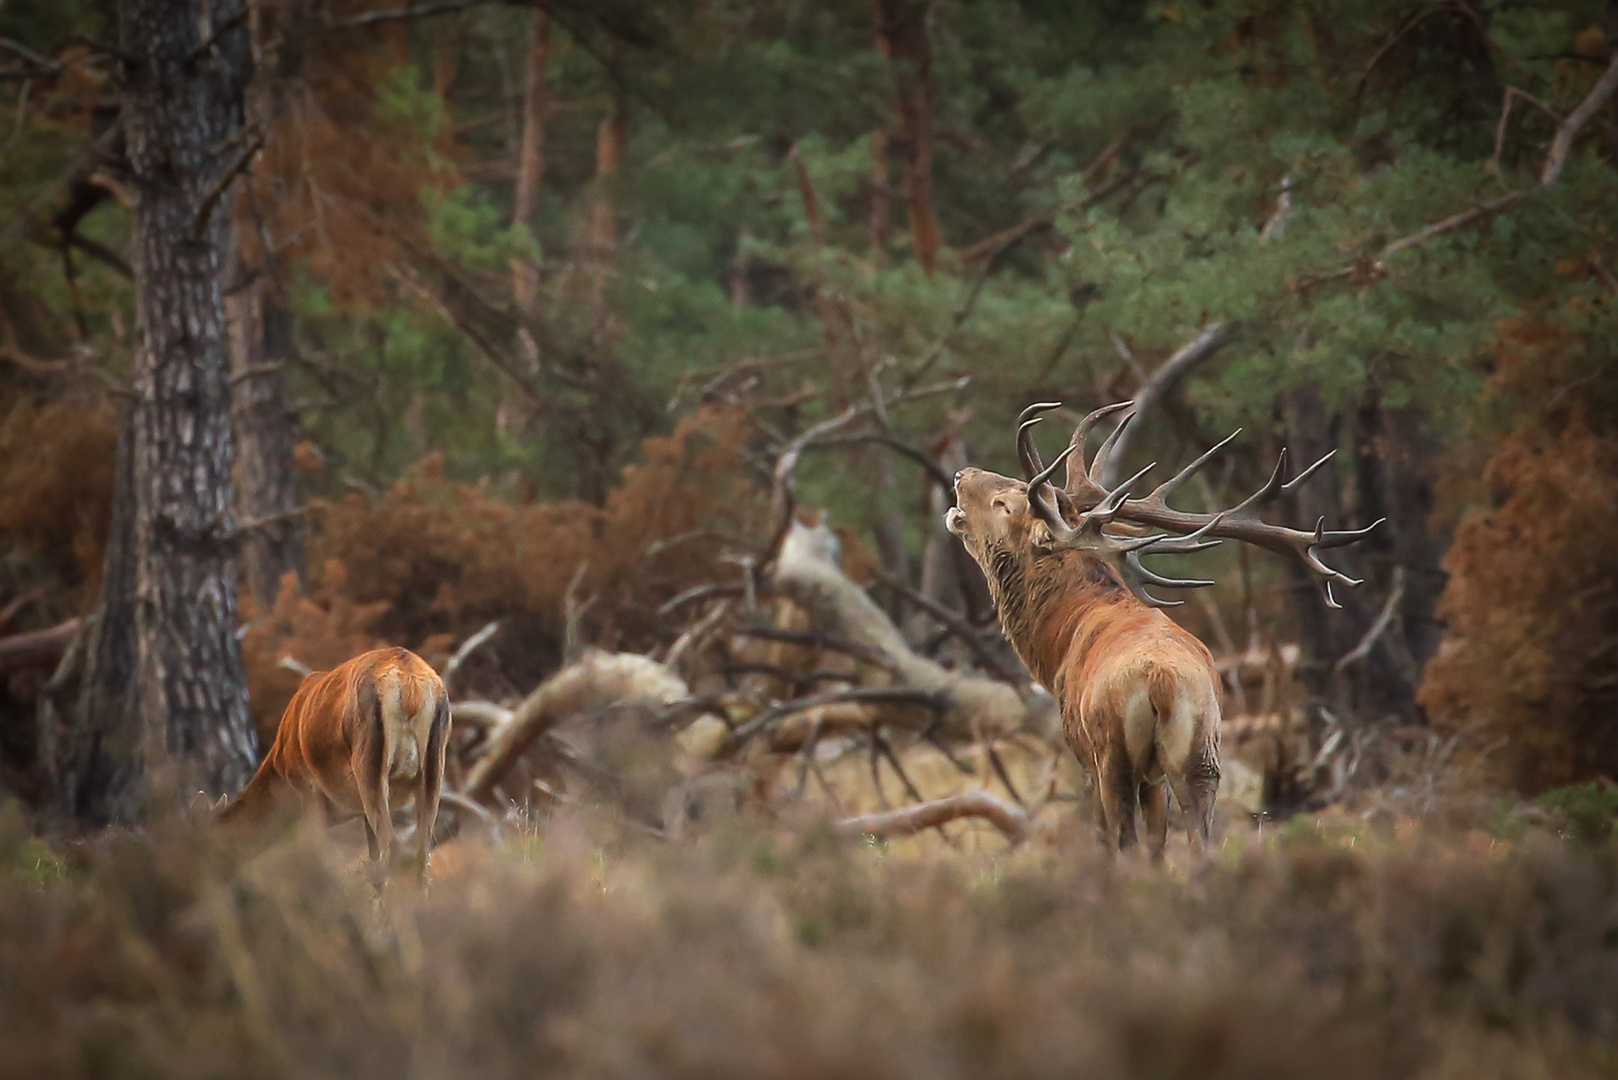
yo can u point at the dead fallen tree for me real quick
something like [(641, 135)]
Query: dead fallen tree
[(598, 680), (956, 705), (1012, 821)]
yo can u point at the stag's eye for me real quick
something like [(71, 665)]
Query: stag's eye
[(1000, 505)]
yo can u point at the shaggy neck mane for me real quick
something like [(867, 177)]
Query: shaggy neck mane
[(1043, 598)]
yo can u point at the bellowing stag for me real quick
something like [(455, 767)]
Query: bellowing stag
[(1139, 694)]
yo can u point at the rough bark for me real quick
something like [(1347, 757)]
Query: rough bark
[(182, 717), (98, 757), (260, 327), (265, 434), (881, 218)]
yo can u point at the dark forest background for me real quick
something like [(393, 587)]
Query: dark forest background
[(525, 302)]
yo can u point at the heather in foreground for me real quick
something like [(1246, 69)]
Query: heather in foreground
[(746, 953)]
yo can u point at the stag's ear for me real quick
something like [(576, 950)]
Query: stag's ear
[(1039, 536)]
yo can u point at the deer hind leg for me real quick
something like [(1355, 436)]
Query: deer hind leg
[(371, 757), (1154, 805), (1196, 786), (1116, 788), (432, 781)]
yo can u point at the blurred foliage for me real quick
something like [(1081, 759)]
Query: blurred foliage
[(432, 561), (723, 215), (760, 954), (1527, 674)]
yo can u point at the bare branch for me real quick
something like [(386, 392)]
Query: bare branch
[(468, 647), (1562, 142), (599, 679), (907, 821), (1378, 628), (935, 472), (294, 665), (1555, 163), (885, 695), (480, 714), (982, 651), (1454, 221), (38, 649), (1186, 357)]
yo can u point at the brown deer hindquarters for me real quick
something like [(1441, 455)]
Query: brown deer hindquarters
[(357, 741), (1142, 715)]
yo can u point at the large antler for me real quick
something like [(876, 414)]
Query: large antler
[(1241, 522)]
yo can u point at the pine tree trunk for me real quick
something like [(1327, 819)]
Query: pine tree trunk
[(265, 433), (531, 157), (182, 717), (601, 240), (902, 35), (1389, 476), (96, 774)]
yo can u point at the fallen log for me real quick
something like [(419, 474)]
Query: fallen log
[(597, 680), (1012, 822), (970, 705)]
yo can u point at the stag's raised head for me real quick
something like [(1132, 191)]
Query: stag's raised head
[(991, 512), (1011, 537)]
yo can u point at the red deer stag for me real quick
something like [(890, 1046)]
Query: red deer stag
[(1139, 694), (354, 742)]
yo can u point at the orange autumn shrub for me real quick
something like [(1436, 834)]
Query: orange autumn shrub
[(1528, 672), (444, 558), (56, 466), (319, 630)]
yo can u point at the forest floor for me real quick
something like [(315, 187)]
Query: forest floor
[(1338, 944)]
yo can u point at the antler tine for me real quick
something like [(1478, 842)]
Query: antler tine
[(1134, 576), (1026, 451), (1099, 463), (1078, 477), (1167, 487), (1185, 545), (1138, 543), (1035, 409), (1242, 522), (1270, 490), (1107, 509), (1046, 507), (1297, 481), (1343, 537), (1153, 578)]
